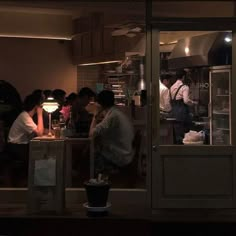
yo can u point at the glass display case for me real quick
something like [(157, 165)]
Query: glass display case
[(220, 105)]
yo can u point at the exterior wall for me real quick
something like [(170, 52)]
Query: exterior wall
[(193, 9), (30, 64)]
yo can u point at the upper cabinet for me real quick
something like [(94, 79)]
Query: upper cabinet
[(93, 41)]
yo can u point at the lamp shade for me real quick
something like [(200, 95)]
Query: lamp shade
[(50, 105)]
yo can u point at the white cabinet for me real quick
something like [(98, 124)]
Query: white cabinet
[(220, 105)]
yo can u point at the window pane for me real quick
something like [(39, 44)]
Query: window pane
[(195, 87)]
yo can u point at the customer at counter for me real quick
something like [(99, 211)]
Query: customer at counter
[(113, 136), (164, 84), (81, 117), (24, 128), (180, 103), (60, 96), (21, 132)]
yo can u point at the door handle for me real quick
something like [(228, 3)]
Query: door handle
[(154, 148)]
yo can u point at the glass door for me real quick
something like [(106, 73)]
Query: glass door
[(185, 175)]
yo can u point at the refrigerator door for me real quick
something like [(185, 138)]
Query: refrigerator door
[(220, 105)]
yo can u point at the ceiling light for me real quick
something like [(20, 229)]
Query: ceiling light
[(35, 36), (99, 63), (228, 39), (186, 50)]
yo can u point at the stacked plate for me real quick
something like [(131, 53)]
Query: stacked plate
[(193, 142)]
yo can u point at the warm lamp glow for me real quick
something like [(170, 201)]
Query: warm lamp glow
[(186, 50), (50, 105)]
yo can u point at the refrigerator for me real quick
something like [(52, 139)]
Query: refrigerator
[(220, 105)]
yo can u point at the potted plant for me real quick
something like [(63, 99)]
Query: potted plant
[(97, 191)]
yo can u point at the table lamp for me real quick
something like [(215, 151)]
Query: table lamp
[(50, 105)]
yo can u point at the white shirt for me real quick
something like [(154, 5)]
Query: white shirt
[(164, 98), (182, 94), (116, 134), (22, 130)]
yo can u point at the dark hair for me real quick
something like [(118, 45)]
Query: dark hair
[(70, 98), (31, 101), (58, 93), (180, 74), (37, 91), (166, 76), (39, 94), (47, 93), (85, 91), (106, 98)]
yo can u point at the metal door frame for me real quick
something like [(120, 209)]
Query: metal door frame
[(154, 26)]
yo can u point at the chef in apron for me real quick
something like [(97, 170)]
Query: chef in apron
[(180, 102)]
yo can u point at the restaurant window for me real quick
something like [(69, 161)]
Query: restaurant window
[(195, 87), (109, 49)]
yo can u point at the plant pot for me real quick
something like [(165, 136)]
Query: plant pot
[(97, 194)]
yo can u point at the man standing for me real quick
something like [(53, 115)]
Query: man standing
[(164, 83), (180, 102), (114, 134)]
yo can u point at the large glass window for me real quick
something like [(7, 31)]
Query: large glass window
[(107, 51), (195, 87)]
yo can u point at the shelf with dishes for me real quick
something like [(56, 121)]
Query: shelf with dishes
[(226, 112), (222, 95), (223, 129), (110, 74)]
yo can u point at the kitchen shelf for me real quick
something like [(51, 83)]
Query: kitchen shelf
[(222, 95), (224, 129), (119, 74), (220, 113)]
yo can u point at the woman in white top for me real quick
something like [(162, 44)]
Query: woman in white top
[(24, 129), (21, 132)]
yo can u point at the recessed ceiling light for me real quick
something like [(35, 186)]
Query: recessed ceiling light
[(228, 39), (186, 50)]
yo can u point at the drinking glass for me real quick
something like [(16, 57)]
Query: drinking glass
[(55, 124)]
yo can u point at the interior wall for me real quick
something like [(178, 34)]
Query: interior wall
[(88, 76), (30, 64), (32, 24)]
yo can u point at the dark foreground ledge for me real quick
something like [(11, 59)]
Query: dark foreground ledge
[(14, 220)]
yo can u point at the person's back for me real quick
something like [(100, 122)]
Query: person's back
[(117, 140), (113, 135), (81, 116)]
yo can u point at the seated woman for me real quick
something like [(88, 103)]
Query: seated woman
[(22, 131)]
